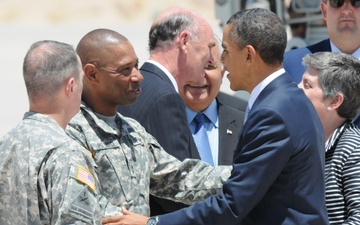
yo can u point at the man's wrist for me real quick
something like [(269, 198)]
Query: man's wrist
[(153, 220)]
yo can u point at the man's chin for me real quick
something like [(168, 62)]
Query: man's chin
[(197, 97), (197, 92), (129, 102)]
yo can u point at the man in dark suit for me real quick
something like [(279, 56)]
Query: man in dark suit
[(343, 24), (180, 44), (278, 174)]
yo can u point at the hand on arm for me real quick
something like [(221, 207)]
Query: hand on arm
[(128, 218)]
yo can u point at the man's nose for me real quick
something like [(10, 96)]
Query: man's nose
[(136, 76)]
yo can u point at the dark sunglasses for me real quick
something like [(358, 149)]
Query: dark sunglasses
[(339, 3)]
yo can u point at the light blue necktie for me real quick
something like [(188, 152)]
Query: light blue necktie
[(201, 138)]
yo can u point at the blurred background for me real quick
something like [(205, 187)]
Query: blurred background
[(24, 22)]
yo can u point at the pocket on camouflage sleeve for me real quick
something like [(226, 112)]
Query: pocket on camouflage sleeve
[(80, 198)]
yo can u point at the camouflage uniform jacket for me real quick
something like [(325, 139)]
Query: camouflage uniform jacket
[(132, 165), (46, 177)]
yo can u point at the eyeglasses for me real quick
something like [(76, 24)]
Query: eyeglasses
[(109, 70), (339, 3), (126, 71)]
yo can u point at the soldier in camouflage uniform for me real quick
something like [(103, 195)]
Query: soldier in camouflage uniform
[(46, 177), (131, 163)]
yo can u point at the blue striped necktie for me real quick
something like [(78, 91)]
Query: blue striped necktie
[(201, 138)]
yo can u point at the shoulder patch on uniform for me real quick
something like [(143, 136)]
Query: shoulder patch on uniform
[(83, 205), (87, 152), (85, 177)]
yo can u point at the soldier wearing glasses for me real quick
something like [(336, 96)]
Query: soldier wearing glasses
[(131, 164)]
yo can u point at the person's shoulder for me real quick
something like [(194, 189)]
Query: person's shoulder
[(296, 53), (70, 152), (42, 134), (131, 124), (323, 45), (151, 72), (156, 95), (78, 118), (348, 145), (293, 63), (155, 79), (84, 118), (353, 132), (135, 131), (13, 135), (231, 101), (280, 93)]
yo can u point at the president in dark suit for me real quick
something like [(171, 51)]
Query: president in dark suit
[(278, 175)]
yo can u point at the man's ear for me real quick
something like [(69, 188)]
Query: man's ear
[(69, 86), (90, 72), (251, 53), (323, 9), (183, 40)]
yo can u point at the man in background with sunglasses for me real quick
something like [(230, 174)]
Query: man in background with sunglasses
[(343, 23)]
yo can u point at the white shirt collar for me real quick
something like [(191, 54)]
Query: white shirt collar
[(356, 54), (257, 90), (168, 74), (211, 112)]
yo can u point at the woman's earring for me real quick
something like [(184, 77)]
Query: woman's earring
[(329, 108)]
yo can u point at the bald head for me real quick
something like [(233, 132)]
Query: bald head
[(166, 14), (171, 23), (94, 44)]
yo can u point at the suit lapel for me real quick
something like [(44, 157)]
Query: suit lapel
[(321, 46), (278, 82), (230, 125), (156, 71)]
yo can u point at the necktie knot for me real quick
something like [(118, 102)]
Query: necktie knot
[(200, 120)]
